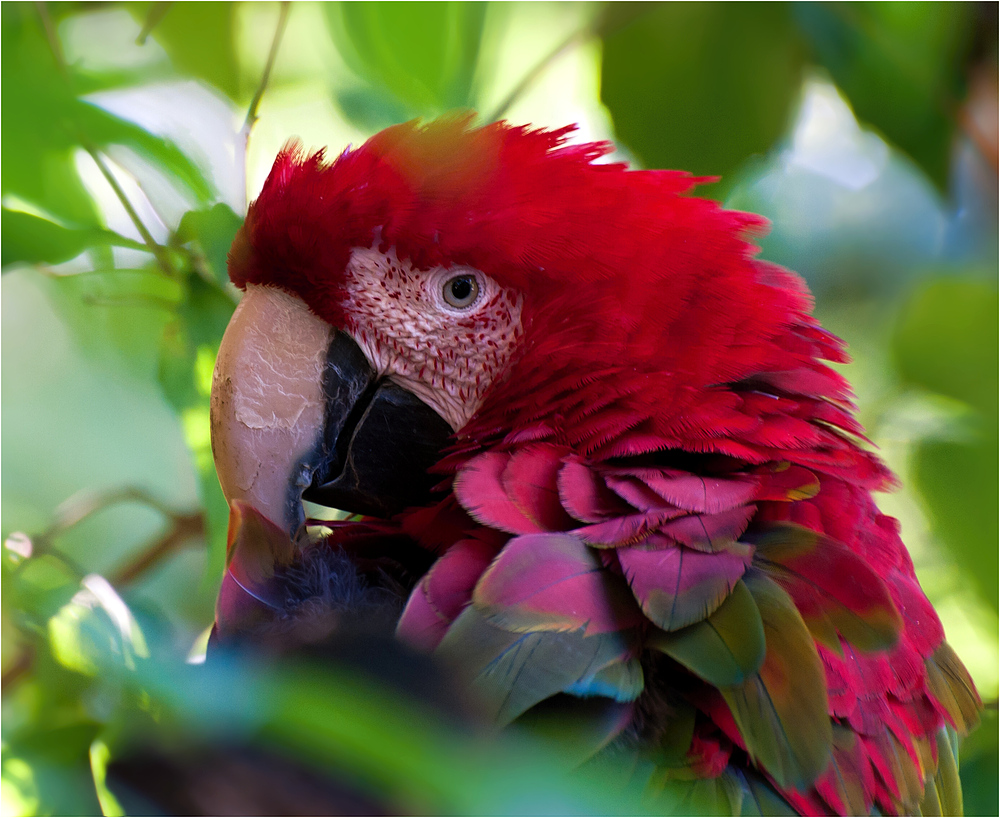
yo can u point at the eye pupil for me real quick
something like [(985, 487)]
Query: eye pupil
[(461, 291)]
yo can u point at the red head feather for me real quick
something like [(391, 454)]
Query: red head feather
[(635, 293)]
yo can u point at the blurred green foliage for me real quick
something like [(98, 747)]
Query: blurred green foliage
[(115, 233), (943, 343), (674, 114)]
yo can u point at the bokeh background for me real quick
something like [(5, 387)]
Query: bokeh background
[(133, 136)]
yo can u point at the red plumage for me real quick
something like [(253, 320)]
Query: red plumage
[(666, 449)]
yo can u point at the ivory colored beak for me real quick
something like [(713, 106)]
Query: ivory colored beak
[(268, 404)]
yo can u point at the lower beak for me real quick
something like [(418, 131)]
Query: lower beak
[(298, 413)]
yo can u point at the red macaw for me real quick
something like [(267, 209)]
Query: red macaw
[(598, 448)]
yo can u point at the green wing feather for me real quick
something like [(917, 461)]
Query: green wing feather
[(951, 685), (943, 791), (782, 710), (724, 649)]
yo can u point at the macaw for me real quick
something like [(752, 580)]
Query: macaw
[(595, 462)]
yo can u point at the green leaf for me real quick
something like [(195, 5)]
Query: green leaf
[(959, 485), (37, 148), (190, 343), (116, 316), (945, 341), (104, 129), (191, 340), (901, 66), (44, 124), (702, 86), (40, 587), (53, 764), (31, 239), (424, 54), (200, 40), (376, 737), (782, 711), (214, 230)]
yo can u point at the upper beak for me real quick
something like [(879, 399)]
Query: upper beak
[(298, 413)]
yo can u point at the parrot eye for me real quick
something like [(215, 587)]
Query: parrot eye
[(461, 291)]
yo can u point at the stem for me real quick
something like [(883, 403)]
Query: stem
[(578, 37), (266, 76), (158, 250), (251, 117), (156, 13), (82, 505)]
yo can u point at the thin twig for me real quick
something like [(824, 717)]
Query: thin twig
[(578, 37), (158, 250), (146, 301), (266, 76), (82, 505)]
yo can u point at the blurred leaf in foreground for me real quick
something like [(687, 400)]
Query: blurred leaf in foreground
[(902, 67), (424, 54), (702, 86), (198, 37), (45, 124), (31, 239)]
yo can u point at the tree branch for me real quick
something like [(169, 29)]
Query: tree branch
[(184, 527)]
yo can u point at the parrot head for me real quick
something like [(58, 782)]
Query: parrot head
[(442, 289)]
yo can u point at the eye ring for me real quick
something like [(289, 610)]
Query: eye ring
[(461, 291)]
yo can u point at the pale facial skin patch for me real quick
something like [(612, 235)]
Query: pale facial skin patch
[(447, 355)]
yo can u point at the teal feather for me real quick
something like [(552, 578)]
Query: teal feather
[(621, 681)]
